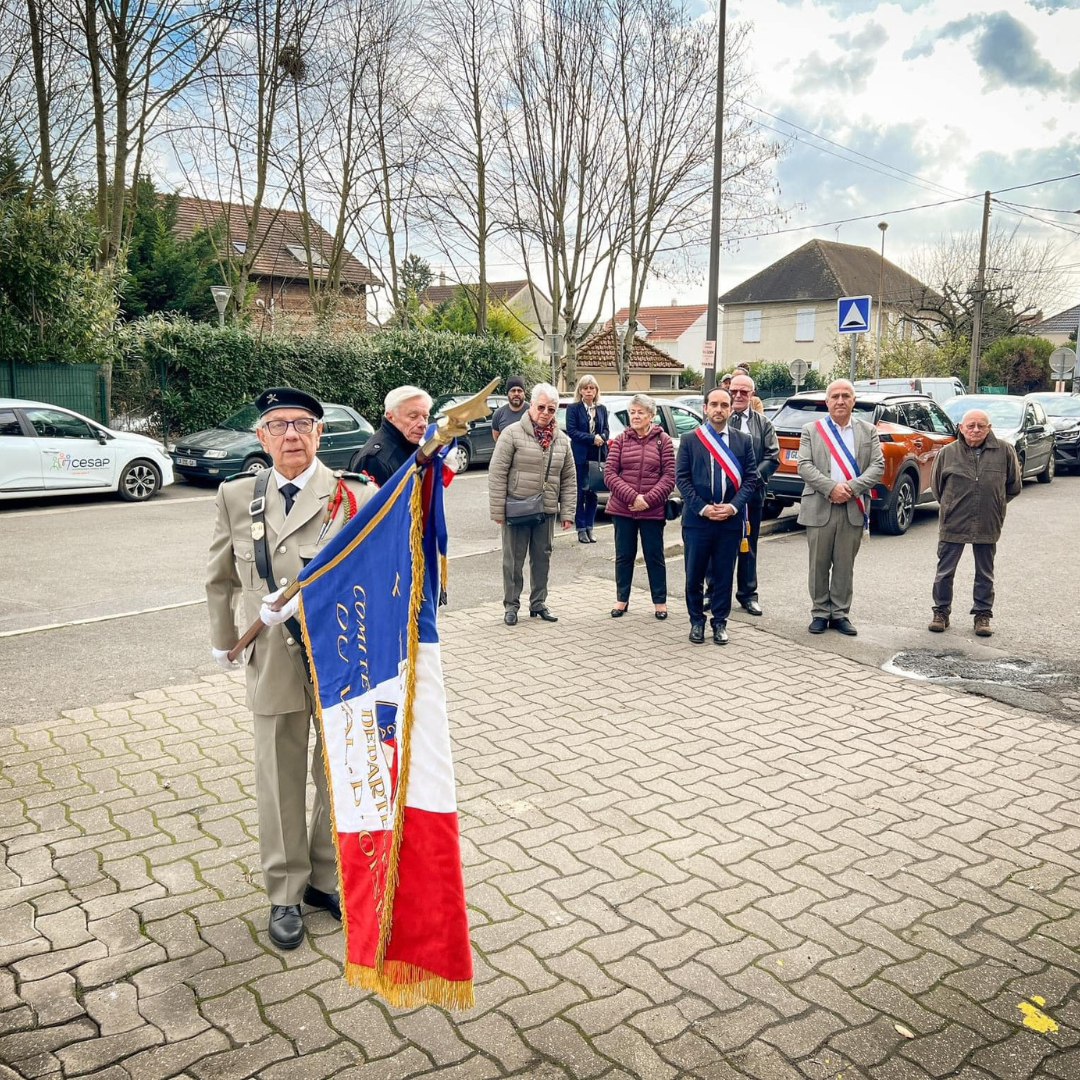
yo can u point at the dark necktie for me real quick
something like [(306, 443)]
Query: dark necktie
[(289, 493)]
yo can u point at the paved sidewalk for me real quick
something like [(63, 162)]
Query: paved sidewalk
[(761, 862)]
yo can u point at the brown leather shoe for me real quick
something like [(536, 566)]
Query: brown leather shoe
[(939, 623), (982, 626)]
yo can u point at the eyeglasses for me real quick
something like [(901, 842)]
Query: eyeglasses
[(546, 408), (740, 393), (302, 425)]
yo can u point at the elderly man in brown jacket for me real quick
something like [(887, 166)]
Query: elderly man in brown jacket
[(973, 479), (532, 457)]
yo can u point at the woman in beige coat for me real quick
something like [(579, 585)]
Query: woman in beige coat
[(531, 456)]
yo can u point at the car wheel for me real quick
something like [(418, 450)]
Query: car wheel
[(773, 508), (462, 456), (139, 481), (254, 464), (896, 517), (1048, 473)]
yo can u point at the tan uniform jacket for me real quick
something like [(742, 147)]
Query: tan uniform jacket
[(276, 669)]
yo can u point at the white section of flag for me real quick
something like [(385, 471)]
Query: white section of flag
[(431, 767)]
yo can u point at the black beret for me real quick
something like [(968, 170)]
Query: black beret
[(285, 397)]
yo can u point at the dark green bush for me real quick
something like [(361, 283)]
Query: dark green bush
[(210, 372)]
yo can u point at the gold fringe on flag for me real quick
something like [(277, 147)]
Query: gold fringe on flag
[(407, 985)]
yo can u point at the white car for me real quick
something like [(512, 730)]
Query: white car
[(47, 450)]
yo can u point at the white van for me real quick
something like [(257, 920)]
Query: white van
[(940, 390)]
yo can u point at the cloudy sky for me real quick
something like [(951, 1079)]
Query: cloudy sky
[(963, 101)]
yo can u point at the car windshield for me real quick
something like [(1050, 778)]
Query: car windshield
[(244, 420), (1004, 412), (1059, 404), (796, 414)]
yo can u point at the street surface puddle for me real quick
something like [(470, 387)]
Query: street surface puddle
[(1031, 675)]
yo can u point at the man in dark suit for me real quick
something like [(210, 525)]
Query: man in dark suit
[(717, 475), (767, 455)]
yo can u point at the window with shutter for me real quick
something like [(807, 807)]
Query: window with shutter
[(804, 324), (751, 326)]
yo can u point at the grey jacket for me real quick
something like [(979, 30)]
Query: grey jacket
[(766, 448), (972, 491), (815, 470), (517, 468)]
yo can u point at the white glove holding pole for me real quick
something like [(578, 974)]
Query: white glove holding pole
[(275, 618), (221, 658)]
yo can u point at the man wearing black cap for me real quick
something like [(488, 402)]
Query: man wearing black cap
[(505, 415), (269, 525)]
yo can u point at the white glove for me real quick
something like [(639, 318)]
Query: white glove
[(221, 658), (275, 618)]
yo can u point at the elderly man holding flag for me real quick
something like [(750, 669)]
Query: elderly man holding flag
[(716, 473), (840, 460)]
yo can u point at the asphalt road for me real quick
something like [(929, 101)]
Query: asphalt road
[(99, 598)]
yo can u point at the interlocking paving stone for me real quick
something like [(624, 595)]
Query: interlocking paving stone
[(823, 853)]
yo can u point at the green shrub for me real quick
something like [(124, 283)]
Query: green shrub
[(210, 372), (772, 379), (1020, 363)]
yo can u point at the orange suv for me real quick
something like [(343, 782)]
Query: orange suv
[(912, 428)]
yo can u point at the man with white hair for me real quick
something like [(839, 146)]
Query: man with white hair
[(531, 481), (840, 460), (401, 432), (973, 479)]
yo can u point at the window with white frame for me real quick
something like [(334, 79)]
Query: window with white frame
[(751, 326), (804, 323)]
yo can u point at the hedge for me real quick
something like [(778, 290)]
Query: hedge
[(210, 372)]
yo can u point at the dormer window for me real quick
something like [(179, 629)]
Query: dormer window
[(298, 252)]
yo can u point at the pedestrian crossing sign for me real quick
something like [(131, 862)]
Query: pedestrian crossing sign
[(853, 315)]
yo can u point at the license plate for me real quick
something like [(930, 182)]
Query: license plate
[(791, 455), (190, 462)]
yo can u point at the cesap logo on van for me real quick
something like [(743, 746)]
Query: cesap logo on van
[(68, 463)]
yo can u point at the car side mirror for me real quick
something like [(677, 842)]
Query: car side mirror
[(102, 438)]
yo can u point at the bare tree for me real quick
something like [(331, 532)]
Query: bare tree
[(664, 99), (465, 132), (564, 185), (1022, 279)]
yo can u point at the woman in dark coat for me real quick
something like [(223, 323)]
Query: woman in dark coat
[(640, 474), (587, 426)]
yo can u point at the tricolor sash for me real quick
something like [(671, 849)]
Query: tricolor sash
[(729, 465), (845, 460)]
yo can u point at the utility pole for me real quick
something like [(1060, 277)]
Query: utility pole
[(712, 319), (979, 295), (882, 225)]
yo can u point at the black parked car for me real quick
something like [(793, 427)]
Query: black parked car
[(1064, 413), (478, 444), (1021, 421), (233, 447)]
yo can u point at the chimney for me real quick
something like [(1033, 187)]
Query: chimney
[(442, 277), (674, 302)]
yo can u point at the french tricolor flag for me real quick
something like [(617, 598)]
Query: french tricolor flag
[(368, 604)]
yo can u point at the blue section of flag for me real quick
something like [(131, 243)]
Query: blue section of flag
[(356, 591)]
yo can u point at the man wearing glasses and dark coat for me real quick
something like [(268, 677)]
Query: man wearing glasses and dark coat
[(268, 527)]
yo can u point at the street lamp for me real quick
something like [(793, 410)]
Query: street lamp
[(222, 295), (882, 225)]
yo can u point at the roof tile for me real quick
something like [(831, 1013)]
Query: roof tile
[(598, 354)]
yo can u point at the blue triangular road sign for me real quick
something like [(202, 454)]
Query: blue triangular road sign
[(853, 314)]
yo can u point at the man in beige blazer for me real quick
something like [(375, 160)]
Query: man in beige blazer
[(830, 503), (278, 534)]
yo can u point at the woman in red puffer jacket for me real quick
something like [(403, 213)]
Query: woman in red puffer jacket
[(640, 474)]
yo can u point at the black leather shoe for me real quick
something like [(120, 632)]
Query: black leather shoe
[(543, 613), (328, 901), (592, 539), (619, 612), (582, 536), (719, 634), (697, 633), (661, 614), (510, 617), (818, 626), (286, 925), (844, 626), (752, 607)]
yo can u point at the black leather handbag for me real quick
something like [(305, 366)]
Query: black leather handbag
[(525, 511)]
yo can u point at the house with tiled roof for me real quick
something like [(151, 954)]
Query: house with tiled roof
[(279, 267), (677, 329), (1058, 328), (532, 311), (788, 310), (650, 367)]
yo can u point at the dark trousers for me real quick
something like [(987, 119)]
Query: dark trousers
[(746, 572), (585, 516), (948, 558), (536, 541), (627, 531), (711, 552)]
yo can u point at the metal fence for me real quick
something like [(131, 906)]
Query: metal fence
[(81, 387)]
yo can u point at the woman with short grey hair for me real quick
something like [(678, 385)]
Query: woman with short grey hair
[(640, 474)]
